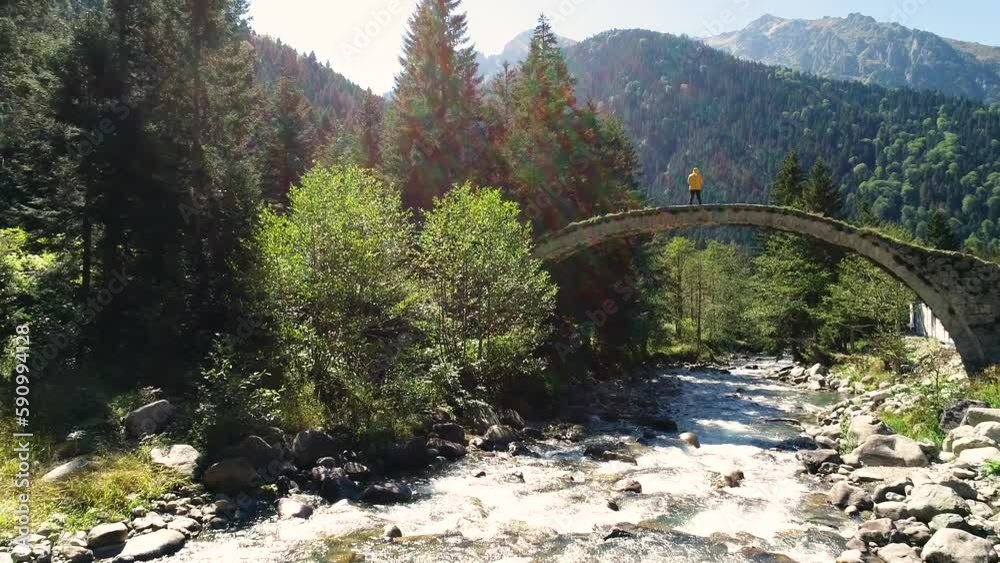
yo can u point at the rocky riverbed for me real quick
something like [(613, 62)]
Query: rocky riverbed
[(693, 463)]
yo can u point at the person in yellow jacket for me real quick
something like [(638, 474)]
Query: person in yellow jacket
[(695, 181)]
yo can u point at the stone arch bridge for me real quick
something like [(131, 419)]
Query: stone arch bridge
[(962, 291)]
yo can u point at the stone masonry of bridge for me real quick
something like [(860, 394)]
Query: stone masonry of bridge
[(962, 290)]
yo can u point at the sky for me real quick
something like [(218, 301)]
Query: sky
[(362, 39)]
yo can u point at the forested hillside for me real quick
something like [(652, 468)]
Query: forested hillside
[(898, 155)]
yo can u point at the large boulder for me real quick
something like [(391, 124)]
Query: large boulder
[(878, 531), (449, 431), (989, 429), (898, 553), (978, 456), (68, 469), (956, 434), (310, 445), (450, 450), (498, 437), (481, 416), (977, 415), (953, 414), (104, 535), (930, 499), (149, 419), (951, 545), (814, 459), (972, 442), (865, 425), (388, 493), (231, 475), (256, 450), (151, 546), (892, 451), (182, 458), (844, 494)]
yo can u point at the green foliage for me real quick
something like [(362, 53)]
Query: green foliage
[(340, 291), (920, 423), (819, 194), (991, 467), (231, 404), (939, 233), (491, 300)]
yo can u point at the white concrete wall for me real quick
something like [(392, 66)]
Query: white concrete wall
[(924, 323)]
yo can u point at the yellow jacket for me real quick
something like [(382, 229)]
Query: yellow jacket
[(695, 180)]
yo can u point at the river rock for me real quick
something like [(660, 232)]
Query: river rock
[(187, 526), (392, 531), (892, 451), (151, 546), (450, 450), (290, 508), (690, 438), (947, 520), (388, 493), (449, 431), (149, 523), (977, 415), (104, 535), (953, 414), (978, 456), (512, 418), (878, 531), (890, 509), (733, 476), (989, 429), (628, 486), (971, 442), (498, 437), (844, 494), (149, 419), (898, 553), (254, 449), (928, 500), (517, 449), (482, 416), (916, 533), (69, 553), (182, 458), (956, 546), (865, 425), (68, 469), (964, 489), (310, 445), (814, 459), (955, 434), (231, 475)]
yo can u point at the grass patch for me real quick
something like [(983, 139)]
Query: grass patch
[(869, 371), (991, 467), (847, 442), (920, 424), (118, 482), (986, 387)]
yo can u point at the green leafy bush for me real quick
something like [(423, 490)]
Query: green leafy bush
[(340, 295), (490, 300)]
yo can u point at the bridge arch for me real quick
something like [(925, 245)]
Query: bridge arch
[(962, 291)]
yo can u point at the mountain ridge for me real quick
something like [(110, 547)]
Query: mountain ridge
[(861, 48)]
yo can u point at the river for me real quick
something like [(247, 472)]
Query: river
[(560, 513)]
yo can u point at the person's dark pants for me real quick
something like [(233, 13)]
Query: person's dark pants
[(695, 194)]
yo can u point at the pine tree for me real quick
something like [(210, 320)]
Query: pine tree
[(939, 233), (820, 195), (289, 139), (787, 188), (368, 129), (434, 142)]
